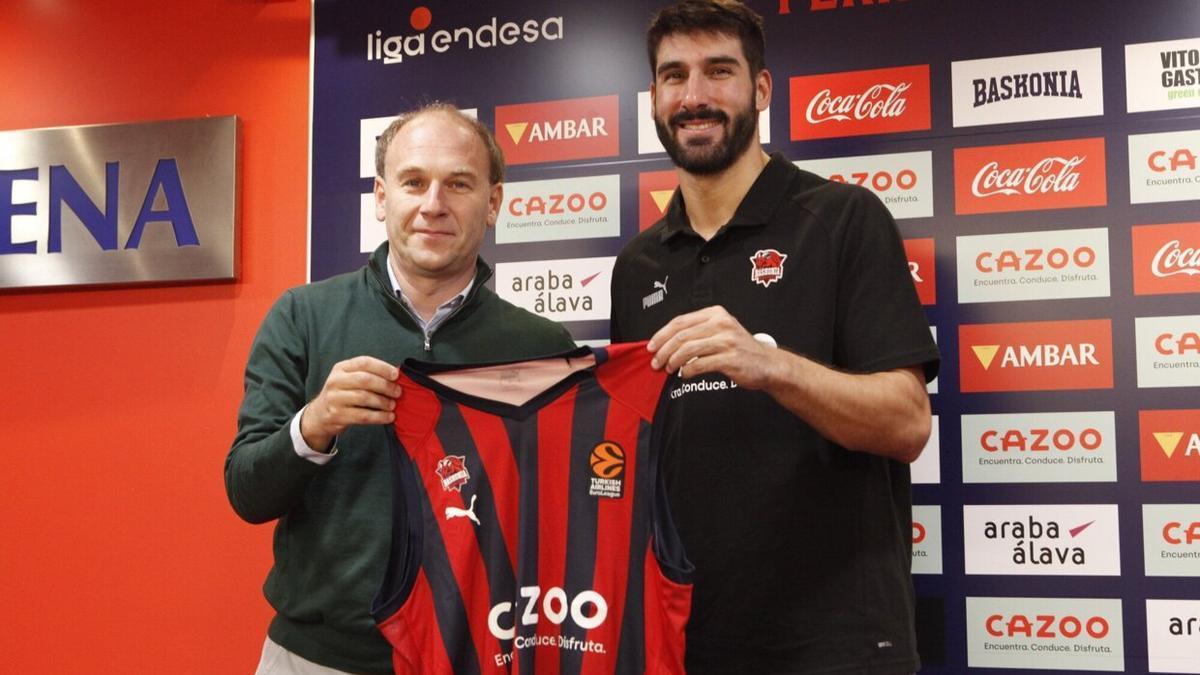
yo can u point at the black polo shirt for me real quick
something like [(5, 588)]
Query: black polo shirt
[(802, 548)]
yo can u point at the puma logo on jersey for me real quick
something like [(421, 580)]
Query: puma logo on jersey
[(469, 512), (660, 291)]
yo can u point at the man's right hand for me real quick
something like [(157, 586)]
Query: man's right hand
[(360, 390)]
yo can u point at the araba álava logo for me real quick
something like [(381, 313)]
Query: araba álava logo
[(1050, 174), (1037, 541), (878, 101), (395, 48)]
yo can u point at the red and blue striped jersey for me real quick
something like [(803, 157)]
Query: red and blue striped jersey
[(531, 531)]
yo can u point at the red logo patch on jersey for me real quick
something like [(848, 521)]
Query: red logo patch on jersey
[(767, 266), (452, 469)]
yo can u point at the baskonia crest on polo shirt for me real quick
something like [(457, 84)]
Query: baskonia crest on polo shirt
[(452, 470), (767, 266)]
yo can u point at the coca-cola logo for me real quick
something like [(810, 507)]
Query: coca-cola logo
[(1173, 259), (1051, 174), (878, 101)]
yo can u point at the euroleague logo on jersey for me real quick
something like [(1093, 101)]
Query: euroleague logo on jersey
[(608, 469), (767, 266)]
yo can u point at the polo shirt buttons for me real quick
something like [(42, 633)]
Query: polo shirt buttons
[(705, 258)]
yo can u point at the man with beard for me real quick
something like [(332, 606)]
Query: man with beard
[(783, 302)]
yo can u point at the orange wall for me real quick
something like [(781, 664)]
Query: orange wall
[(119, 552)]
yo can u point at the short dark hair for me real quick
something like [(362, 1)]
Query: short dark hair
[(495, 156), (723, 17)]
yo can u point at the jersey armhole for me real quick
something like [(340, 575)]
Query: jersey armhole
[(404, 556)]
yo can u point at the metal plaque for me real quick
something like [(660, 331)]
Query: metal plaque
[(119, 203)]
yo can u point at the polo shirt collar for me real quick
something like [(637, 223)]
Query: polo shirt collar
[(756, 207)]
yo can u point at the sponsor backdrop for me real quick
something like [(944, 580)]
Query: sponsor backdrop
[(1041, 160)]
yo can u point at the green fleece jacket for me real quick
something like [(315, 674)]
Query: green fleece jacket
[(333, 525)]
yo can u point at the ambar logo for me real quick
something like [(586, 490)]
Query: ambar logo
[(655, 189), (1030, 176), (1042, 355), (1170, 444), (551, 131), (1166, 258), (882, 101)]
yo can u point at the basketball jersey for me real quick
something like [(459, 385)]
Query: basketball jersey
[(531, 532)]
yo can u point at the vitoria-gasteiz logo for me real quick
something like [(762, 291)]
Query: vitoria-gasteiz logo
[(391, 48)]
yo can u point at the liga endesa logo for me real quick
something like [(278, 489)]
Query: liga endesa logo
[(1038, 355), (1170, 444), (1030, 176), (549, 131), (882, 101), (392, 49), (920, 267), (655, 189), (1166, 258)]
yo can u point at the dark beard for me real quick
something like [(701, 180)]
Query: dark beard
[(708, 160)]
